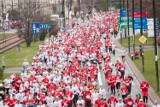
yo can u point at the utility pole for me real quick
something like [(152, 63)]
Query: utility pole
[(120, 21), (2, 7), (141, 32), (125, 33), (63, 13), (128, 27), (133, 28), (12, 11), (155, 45), (79, 5)]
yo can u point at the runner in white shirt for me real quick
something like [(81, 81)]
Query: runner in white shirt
[(94, 96), (57, 102), (49, 100), (18, 104), (1, 102), (80, 102), (156, 103), (102, 91), (120, 103)]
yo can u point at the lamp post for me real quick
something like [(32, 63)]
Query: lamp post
[(133, 28), (63, 13), (120, 21), (2, 7), (12, 11), (128, 27), (155, 45), (79, 6), (141, 32)]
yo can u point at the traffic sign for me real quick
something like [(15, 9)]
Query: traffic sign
[(137, 13), (123, 12), (142, 39), (151, 27), (157, 27), (124, 22), (137, 23), (35, 28), (45, 26)]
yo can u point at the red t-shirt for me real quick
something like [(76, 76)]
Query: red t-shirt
[(65, 103), (124, 90), (12, 102), (141, 105), (112, 100), (45, 80), (102, 104), (129, 102), (144, 86), (127, 81), (69, 94), (90, 86), (98, 101)]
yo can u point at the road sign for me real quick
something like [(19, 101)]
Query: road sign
[(123, 12), (137, 23), (45, 26), (142, 39), (124, 22), (151, 27), (137, 13), (157, 27), (35, 28)]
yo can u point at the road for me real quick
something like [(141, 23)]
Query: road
[(135, 84)]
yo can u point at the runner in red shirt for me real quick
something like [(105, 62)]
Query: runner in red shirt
[(129, 101), (102, 103), (117, 65), (12, 101), (124, 91), (112, 100), (141, 103), (122, 70), (144, 87), (118, 81), (127, 81), (66, 102), (138, 97), (97, 102)]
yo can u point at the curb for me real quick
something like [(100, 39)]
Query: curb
[(140, 77)]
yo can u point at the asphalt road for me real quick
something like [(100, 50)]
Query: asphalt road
[(135, 83)]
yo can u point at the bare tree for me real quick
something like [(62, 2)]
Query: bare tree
[(30, 10)]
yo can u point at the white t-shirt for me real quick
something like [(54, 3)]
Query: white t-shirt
[(5, 105), (120, 104), (18, 105), (57, 103), (156, 105), (41, 106), (49, 100), (7, 83), (94, 97), (1, 103), (81, 102)]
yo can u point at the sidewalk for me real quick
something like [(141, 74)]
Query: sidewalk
[(146, 48), (10, 31), (13, 70), (139, 76)]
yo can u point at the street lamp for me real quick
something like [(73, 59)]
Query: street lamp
[(141, 32), (63, 12), (128, 27), (133, 28), (155, 45)]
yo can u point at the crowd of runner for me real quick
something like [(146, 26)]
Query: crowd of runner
[(64, 73)]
